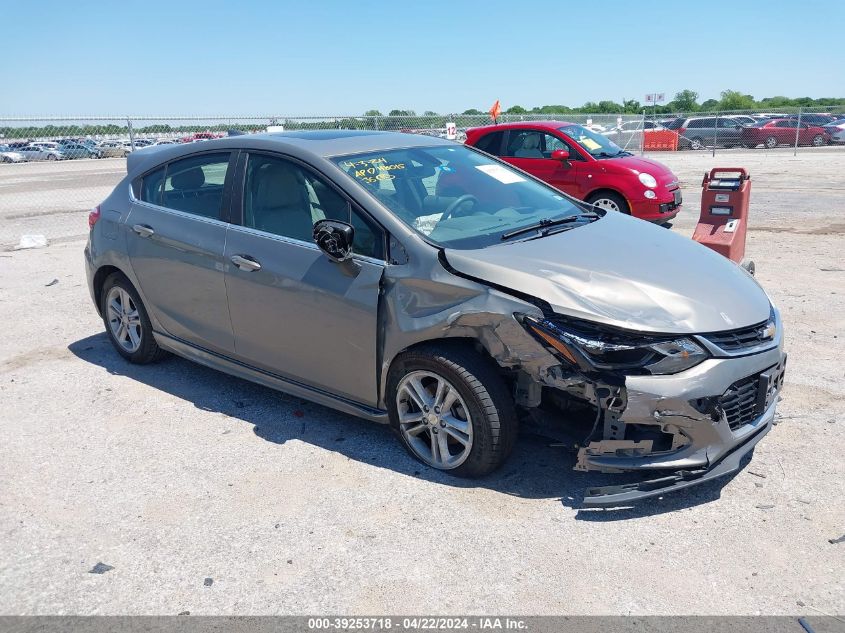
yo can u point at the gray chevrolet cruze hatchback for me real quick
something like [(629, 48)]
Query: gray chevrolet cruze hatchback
[(418, 282)]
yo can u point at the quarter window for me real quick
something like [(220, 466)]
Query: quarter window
[(492, 143), (282, 198), (195, 185), (151, 186)]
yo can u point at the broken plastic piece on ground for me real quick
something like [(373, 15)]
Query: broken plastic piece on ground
[(31, 241), (100, 568)]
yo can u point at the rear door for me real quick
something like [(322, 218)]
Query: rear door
[(176, 232), (294, 312)]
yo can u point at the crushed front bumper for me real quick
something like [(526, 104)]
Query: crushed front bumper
[(625, 494), (687, 428)]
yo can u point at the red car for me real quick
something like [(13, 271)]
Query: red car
[(782, 132), (586, 165)]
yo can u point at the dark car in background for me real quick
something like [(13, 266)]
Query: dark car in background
[(776, 132), (701, 132), (74, 149)]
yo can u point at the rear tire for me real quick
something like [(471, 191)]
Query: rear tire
[(697, 143), (51, 157), (818, 140), (771, 142), (477, 427), (609, 201), (127, 322)]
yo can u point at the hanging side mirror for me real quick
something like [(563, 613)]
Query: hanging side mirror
[(335, 239)]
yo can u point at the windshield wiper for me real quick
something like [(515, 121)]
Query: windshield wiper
[(548, 223)]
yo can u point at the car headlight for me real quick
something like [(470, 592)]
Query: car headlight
[(582, 343), (648, 180), (650, 194)]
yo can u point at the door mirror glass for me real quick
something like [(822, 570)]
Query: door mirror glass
[(560, 154), (335, 239)]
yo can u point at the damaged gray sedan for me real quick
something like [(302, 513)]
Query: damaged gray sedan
[(416, 282)]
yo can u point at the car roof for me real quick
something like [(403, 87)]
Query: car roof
[(304, 144), (548, 125)]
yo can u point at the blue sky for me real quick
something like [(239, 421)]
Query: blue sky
[(345, 57)]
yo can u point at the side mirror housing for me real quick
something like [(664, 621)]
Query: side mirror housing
[(335, 239), (561, 155)]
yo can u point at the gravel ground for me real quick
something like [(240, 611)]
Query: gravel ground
[(173, 474)]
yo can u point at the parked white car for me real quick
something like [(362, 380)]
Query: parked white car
[(9, 155)]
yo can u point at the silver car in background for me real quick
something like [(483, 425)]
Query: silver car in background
[(113, 149), (420, 283), (9, 155), (42, 151)]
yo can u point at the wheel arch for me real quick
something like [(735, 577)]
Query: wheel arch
[(103, 273), (605, 189)]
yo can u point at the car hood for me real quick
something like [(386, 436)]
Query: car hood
[(624, 272)]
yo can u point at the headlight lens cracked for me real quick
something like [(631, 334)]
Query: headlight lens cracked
[(607, 349)]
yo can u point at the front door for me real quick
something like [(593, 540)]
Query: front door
[(531, 150), (294, 312), (175, 237)]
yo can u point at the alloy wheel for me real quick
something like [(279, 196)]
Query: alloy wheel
[(607, 204), (818, 140), (124, 319), (434, 420), (771, 142)]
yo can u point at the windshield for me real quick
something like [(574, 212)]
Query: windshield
[(457, 197), (598, 145)]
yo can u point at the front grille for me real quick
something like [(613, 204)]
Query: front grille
[(745, 338), (742, 403)]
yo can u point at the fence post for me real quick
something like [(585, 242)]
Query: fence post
[(131, 133), (715, 134), (642, 135), (797, 131)]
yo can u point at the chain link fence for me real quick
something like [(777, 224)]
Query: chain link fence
[(632, 132), (60, 166)]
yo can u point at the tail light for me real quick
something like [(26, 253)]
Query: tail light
[(93, 216)]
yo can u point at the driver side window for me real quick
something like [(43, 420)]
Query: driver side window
[(534, 144)]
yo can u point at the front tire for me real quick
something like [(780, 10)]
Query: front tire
[(127, 323), (451, 409), (818, 140), (697, 143), (609, 201), (771, 142)]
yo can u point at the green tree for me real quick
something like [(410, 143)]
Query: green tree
[(735, 100), (685, 101), (710, 104), (517, 109), (401, 113), (430, 113), (373, 113), (472, 111)]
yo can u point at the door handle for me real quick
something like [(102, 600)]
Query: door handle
[(244, 262), (143, 230)]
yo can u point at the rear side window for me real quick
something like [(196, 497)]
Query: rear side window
[(195, 185), (491, 143), (151, 186)]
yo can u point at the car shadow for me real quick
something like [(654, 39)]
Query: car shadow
[(539, 468)]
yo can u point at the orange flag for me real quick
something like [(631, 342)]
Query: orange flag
[(495, 111)]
